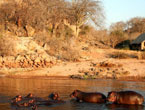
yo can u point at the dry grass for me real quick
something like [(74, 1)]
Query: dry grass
[(141, 55), (41, 37), (122, 55), (7, 45), (62, 49)]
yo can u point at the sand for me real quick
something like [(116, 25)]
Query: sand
[(65, 69)]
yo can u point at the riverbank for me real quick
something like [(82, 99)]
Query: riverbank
[(91, 62), (92, 68)]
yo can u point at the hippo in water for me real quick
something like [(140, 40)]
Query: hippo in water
[(91, 97), (31, 96), (55, 98), (16, 99), (125, 97), (19, 101)]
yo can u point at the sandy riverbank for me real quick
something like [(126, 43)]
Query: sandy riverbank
[(131, 68)]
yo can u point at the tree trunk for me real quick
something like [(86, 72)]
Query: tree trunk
[(74, 28)]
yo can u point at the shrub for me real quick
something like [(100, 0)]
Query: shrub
[(141, 55), (122, 55), (70, 55), (41, 37), (62, 49)]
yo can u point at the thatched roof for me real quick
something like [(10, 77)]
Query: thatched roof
[(139, 39)]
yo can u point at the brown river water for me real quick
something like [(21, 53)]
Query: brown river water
[(42, 87)]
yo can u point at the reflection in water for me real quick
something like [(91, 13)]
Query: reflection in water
[(119, 86), (125, 107), (10, 87), (5, 106)]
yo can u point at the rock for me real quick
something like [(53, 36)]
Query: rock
[(1, 59), (108, 69), (15, 65), (20, 32), (46, 47), (92, 69), (113, 71), (96, 73), (93, 64), (125, 73), (25, 64), (47, 64), (19, 58), (45, 56), (86, 73), (29, 55), (30, 30), (47, 59), (33, 57), (109, 75), (37, 60)]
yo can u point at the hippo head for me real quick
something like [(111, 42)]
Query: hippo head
[(31, 101), (112, 96), (18, 98), (74, 94), (30, 95), (54, 96), (25, 104)]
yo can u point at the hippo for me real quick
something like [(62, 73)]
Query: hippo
[(16, 99), (125, 97), (19, 101), (53, 98), (91, 97), (31, 96)]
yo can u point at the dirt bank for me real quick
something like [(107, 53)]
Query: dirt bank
[(96, 65)]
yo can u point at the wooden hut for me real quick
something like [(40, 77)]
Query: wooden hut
[(138, 43)]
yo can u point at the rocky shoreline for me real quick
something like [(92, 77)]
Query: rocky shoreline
[(76, 70), (27, 61)]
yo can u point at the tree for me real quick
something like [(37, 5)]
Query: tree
[(6, 13), (117, 32), (55, 13), (81, 12), (118, 26), (136, 24)]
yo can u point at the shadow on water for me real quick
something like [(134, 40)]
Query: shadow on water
[(42, 87)]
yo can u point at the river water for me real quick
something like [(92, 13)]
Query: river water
[(42, 87)]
